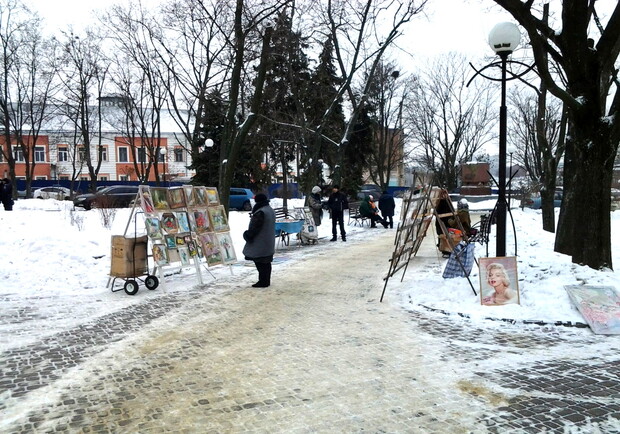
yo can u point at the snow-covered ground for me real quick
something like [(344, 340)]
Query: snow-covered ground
[(52, 254)]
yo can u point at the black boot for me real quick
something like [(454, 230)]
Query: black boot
[(334, 238), (344, 238)]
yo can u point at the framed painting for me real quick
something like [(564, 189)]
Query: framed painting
[(153, 230), (199, 221), (212, 196), (227, 248), (499, 283), (176, 198), (173, 255), (211, 248), (184, 255), (160, 198), (180, 240), (219, 222), (191, 247), (169, 223), (200, 196), (160, 254), (146, 201), (599, 305), (188, 191), (171, 241), (182, 221)]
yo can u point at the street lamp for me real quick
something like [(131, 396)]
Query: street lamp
[(162, 151), (503, 39)]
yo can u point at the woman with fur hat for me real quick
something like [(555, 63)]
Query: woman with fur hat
[(260, 240), (314, 202)]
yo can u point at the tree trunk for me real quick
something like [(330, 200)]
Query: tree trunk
[(585, 222)]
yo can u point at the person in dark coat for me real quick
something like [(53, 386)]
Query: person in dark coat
[(6, 194), (337, 203), (316, 207), (369, 210), (387, 207), (443, 208), (260, 239)]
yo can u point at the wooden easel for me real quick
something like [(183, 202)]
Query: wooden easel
[(417, 213)]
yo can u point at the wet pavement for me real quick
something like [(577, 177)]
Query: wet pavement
[(304, 356)]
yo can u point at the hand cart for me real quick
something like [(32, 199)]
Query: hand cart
[(130, 261)]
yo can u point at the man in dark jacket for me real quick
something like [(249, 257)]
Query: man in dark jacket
[(6, 194), (370, 211), (337, 203), (260, 239), (387, 207)]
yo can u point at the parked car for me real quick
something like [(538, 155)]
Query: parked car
[(368, 190), (55, 192), (241, 199), (536, 201), (115, 196)]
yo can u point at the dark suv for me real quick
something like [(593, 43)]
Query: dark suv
[(116, 196)]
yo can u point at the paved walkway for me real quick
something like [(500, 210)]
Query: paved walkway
[(306, 356)]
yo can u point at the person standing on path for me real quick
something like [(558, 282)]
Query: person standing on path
[(6, 194), (260, 240), (337, 203), (387, 206), (314, 202)]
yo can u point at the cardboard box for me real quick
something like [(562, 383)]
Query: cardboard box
[(129, 257)]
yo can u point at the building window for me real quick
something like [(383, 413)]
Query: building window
[(39, 154), (40, 178), (104, 153), (82, 154), (103, 178), (123, 178), (63, 154), (64, 178), (179, 155), (123, 156), (18, 155), (141, 155)]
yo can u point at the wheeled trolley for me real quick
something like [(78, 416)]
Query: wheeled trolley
[(130, 262)]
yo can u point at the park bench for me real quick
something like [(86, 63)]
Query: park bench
[(355, 216)]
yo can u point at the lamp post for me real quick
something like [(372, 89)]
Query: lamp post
[(503, 39), (162, 151)]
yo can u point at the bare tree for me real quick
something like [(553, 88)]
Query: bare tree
[(537, 132), (586, 77), (388, 93), (143, 84), (28, 68), (450, 123), (361, 37), (83, 75)]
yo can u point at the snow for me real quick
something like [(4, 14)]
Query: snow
[(56, 260)]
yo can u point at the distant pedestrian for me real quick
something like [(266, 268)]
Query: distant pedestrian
[(337, 203), (315, 204), (6, 194), (369, 210), (387, 207), (260, 240)]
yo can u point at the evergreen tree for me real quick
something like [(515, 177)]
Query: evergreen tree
[(323, 89), (285, 89)]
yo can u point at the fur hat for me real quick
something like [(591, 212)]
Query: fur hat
[(316, 189), (462, 204), (260, 197)]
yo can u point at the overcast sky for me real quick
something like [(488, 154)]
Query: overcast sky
[(449, 25)]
